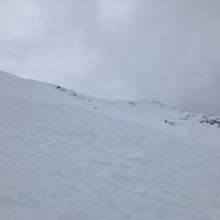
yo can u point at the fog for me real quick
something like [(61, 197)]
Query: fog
[(118, 49)]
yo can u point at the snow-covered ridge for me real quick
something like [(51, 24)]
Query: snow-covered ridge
[(166, 114), (153, 113)]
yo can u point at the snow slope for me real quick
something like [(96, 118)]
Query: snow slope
[(66, 156)]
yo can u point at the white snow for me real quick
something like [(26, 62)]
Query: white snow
[(65, 156)]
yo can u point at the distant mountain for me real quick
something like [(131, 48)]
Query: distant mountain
[(65, 156)]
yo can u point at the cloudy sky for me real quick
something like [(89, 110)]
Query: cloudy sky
[(120, 49)]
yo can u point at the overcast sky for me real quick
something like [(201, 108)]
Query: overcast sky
[(120, 49)]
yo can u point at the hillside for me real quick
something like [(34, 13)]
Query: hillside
[(66, 156)]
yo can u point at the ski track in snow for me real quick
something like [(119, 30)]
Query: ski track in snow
[(60, 161)]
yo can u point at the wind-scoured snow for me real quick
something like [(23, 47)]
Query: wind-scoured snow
[(66, 156)]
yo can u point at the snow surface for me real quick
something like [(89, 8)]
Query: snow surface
[(66, 156)]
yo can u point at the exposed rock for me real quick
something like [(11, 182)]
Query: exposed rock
[(131, 103), (210, 120), (61, 88)]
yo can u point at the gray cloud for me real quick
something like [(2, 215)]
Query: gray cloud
[(121, 49)]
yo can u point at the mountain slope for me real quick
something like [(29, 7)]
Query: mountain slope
[(66, 156)]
